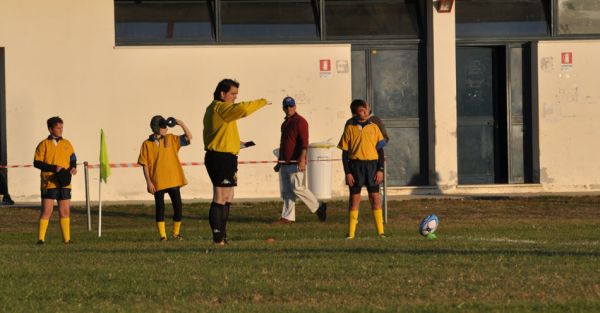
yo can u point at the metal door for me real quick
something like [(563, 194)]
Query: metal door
[(391, 80), (480, 77)]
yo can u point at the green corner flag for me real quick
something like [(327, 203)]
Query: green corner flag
[(104, 164)]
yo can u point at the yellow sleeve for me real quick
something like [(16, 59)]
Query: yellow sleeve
[(344, 141), (40, 152), (143, 158), (176, 142), (230, 112)]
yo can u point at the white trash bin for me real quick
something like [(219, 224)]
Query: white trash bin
[(319, 169)]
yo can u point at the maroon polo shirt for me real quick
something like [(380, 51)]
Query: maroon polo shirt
[(294, 138)]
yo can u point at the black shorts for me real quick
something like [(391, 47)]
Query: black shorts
[(364, 175), (221, 168), (57, 194)]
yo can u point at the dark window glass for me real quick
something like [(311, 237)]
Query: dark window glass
[(403, 156), (396, 83), (268, 21), (497, 18), (578, 17), (400, 18), (163, 22), (359, 75)]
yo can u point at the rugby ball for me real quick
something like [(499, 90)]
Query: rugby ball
[(428, 225)]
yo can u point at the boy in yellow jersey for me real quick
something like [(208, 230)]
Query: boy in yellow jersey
[(55, 157), (222, 144), (362, 145), (163, 171)]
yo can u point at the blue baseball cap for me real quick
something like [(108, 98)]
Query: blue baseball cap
[(289, 102)]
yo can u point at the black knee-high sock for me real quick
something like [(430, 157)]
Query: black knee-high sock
[(225, 218), (175, 196), (159, 201), (215, 218)]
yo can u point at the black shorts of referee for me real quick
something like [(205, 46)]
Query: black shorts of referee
[(222, 168), (364, 175)]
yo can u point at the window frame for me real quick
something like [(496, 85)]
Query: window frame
[(320, 23)]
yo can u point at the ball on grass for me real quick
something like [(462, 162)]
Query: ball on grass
[(429, 225), (270, 240)]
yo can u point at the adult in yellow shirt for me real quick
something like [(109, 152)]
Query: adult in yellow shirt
[(222, 144), (163, 171), (362, 156), (56, 159)]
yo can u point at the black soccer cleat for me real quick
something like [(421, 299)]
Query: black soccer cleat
[(6, 200), (322, 212), (40, 242)]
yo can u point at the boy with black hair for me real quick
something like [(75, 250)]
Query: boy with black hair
[(56, 159), (163, 171), (373, 118), (362, 145)]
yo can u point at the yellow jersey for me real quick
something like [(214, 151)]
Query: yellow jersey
[(54, 152), (220, 128), (361, 142), (161, 159)]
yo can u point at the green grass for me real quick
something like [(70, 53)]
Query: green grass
[(492, 255)]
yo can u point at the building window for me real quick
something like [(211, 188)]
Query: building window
[(507, 18), (252, 21), (399, 18), (581, 17), (163, 22)]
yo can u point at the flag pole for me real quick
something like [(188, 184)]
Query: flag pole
[(87, 194), (100, 205), (104, 173)]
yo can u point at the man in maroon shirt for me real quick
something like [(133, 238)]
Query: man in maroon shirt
[(292, 166)]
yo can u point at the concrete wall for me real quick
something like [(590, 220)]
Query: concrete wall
[(61, 60), (569, 111), (442, 119)]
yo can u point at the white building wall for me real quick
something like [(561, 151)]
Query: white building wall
[(569, 114), (61, 60)]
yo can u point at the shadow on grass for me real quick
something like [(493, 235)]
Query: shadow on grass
[(347, 250), (147, 212)]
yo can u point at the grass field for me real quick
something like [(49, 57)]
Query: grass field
[(492, 255)]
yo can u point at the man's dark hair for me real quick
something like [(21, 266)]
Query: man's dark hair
[(224, 86), (356, 103), (53, 121)]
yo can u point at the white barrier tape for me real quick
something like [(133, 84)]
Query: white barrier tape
[(121, 165)]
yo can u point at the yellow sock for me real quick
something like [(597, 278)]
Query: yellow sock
[(42, 229), (353, 220), (161, 229), (378, 217), (176, 228), (65, 228)]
